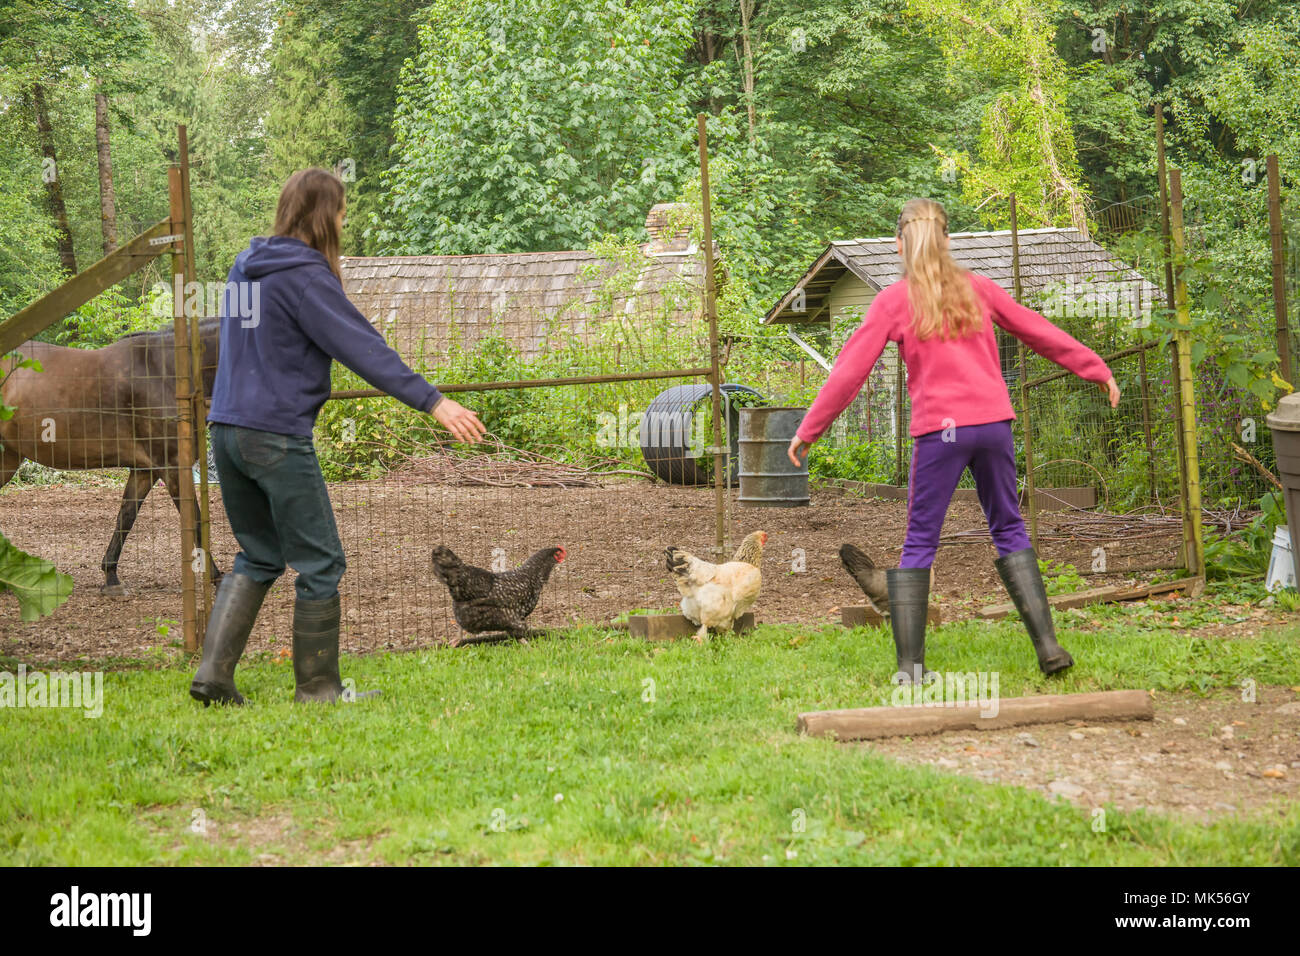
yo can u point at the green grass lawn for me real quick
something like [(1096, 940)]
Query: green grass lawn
[(554, 753)]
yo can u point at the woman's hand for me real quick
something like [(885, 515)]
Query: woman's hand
[(1111, 390), (798, 447), (459, 420)]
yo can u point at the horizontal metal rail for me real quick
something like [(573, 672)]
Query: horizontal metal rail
[(538, 382), (1123, 353)]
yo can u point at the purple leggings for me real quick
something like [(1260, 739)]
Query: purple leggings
[(990, 453)]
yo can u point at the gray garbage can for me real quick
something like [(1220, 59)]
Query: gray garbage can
[(1284, 423)]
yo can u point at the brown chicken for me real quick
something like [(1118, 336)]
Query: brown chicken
[(869, 577), (495, 601), (717, 595)]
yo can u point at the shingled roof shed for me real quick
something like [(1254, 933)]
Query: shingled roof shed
[(847, 275), (424, 303)]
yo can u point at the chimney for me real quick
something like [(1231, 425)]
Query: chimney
[(659, 223)]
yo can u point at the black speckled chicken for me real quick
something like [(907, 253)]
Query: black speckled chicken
[(869, 577), (485, 601)]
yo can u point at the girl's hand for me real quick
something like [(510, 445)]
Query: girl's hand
[(798, 447), (459, 420), (1111, 390)]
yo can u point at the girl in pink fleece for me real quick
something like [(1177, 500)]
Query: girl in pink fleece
[(942, 318)]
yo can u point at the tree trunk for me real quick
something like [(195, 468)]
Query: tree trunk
[(53, 182), (746, 12), (107, 200)]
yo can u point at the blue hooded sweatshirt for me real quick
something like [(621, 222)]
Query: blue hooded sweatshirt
[(284, 317)]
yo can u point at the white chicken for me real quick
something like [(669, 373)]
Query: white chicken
[(717, 595)]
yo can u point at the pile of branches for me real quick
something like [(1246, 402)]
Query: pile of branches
[(494, 464), (1080, 525)]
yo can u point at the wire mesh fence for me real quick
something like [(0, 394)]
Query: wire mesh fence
[(589, 371), (90, 457), (591, 368)]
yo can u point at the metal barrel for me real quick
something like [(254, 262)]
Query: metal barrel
[(767, 479)]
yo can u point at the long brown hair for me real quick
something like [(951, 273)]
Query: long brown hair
[(309, 210), (939, 291)]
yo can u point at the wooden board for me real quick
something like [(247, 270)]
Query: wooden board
[(869, 723), (864, 615), (1193, 587), (666, 627)]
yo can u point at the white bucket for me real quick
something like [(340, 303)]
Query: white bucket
[(1281, 567)]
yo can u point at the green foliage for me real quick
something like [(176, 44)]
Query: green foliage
[(1060, 577), (575, 122), (1246, 553), (35, 582), (855, 460), (111, 315)]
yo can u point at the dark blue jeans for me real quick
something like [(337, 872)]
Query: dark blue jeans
[(278, 507)]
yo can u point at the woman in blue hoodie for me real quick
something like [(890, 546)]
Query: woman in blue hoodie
[(284, 320)]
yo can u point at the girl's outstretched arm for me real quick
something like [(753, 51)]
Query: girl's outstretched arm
[(852, 366), (1046, 339)]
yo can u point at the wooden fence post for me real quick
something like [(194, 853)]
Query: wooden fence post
[(184, 415), (1163, 175), (1189, 465), (200, 411), (1278, 242)]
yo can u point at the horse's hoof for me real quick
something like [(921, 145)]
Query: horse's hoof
[(113, 590)]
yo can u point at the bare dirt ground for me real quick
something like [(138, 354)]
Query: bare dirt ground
[(1202, 757), (614, 535)]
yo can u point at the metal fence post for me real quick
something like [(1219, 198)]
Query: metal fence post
[(715, 367), (1027, 421)]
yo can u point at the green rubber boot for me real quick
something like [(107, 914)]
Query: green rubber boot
[(1024, 582), (909, 602), (316, 652), (239, 598)]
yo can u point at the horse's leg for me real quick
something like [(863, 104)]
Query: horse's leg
[(174, 489), (138, 485)]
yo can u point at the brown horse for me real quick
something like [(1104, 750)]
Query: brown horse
[(112, 407)]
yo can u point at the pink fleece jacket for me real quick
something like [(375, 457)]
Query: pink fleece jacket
[(953, 381)]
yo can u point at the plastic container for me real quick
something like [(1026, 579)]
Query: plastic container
[(1284, 423), (1281, 565)]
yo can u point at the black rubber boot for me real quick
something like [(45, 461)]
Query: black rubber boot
[(233, 612), (316, 651), (909, 602), (1024, 582)]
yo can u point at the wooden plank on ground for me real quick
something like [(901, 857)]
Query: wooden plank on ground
[(869, 723), (666, 627), (864, 615), (1193, 587)]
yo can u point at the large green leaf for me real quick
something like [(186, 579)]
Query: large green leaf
[(37, 584)]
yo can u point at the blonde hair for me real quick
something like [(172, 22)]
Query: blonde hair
[(939, 291)]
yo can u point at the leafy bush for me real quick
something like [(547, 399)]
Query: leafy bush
[(1246, 552), (35, 582)]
